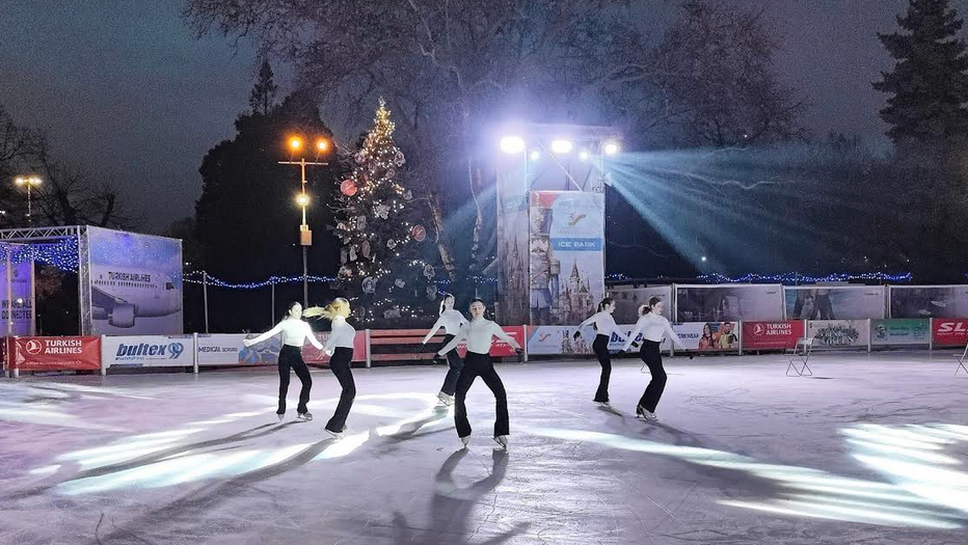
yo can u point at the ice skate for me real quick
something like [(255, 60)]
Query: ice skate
[(445, 400), (307, 416), (280, 416), (336, 435), (466, 440), (647, 415), (502, 440)]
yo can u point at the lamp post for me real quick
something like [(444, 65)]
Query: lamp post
[(302, 199), (28, 182)]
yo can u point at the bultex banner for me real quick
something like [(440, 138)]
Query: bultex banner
[(148, 351)]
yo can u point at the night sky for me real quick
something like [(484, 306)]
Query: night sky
[(126, 90)]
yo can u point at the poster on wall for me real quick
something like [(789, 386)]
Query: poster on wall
[(929, 301), (554, 339), (135, 283), (839, 333), (900, 332), (21, 280), (629, 298), (835, 302), (729, 302), (511, 306), (567, 268)]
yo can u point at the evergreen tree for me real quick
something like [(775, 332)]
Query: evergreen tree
[(263, 95), (929, 83), (383, 270)]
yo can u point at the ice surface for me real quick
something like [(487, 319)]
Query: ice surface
[(870, 450)]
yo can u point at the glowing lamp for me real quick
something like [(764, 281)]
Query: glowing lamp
[(512, 145), (610, 148), (561, 146)]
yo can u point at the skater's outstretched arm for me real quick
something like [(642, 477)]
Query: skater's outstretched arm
[(500, 334), (437, 325), (312, 338), (671, 333), (461, 335), (265, 336), (635, 332)]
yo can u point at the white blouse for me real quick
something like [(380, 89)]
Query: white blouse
[(653, 327), (479, 333), (341, 336), (450, 320), (604, 324), (294, 333)]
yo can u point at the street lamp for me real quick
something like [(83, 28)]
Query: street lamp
[(295, 145), (28, 182)]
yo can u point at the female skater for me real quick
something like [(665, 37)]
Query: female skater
[(450, 320), (295, 333), (653, 326), (479, 333), (339, 346), (604, 326)]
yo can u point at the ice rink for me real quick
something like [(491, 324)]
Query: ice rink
[(870, 450)]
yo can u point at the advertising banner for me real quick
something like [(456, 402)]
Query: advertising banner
[(900, 332), (929, 301), (500, 348), (628, 299), (56, 353), (708, 336), (835, 302), (780, 335), (567, 266), (839, 333), (20, 288), (554, 339), (729, 302), (948, 333), (148, 351), (135, 283), (227, 349)]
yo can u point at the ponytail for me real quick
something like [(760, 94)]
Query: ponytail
[(604, 303), (339, 307), (645, 309)]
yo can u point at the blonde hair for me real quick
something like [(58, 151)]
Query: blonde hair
[(339, 307)]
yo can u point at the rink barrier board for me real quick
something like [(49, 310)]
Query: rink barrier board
[(944, 333)]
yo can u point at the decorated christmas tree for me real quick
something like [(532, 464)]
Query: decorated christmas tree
[(383, 271)]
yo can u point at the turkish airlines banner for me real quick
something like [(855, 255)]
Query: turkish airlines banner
[(500, 348), (949, 332), (779, 335), (56, 353)]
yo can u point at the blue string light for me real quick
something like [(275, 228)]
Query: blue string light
[(797, 278), (196, 277), (62, 254)]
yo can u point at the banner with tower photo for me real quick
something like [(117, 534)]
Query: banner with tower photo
[(135, 283), (729, 302), (567, 265)]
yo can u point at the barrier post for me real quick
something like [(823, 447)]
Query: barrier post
[(870, 334), (930, 334), (195, 352), (104, 366), (740, 328), (13, 351), (524, 342), (367, 337)]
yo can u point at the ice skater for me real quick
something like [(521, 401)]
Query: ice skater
[(653, 326), (295, 333), (604, 326), (451, 320), (339, 346), (479, 334)]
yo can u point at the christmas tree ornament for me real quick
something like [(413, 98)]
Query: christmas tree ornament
[(365, 249), (382, 211), (391, 173), (408, 195), (369, 284), (352, 253), (342, 256), (432, 293), (429, 272), (418, 233), (348, 188), (391, 244), (361, 222), (399, 283), (345, 271)]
